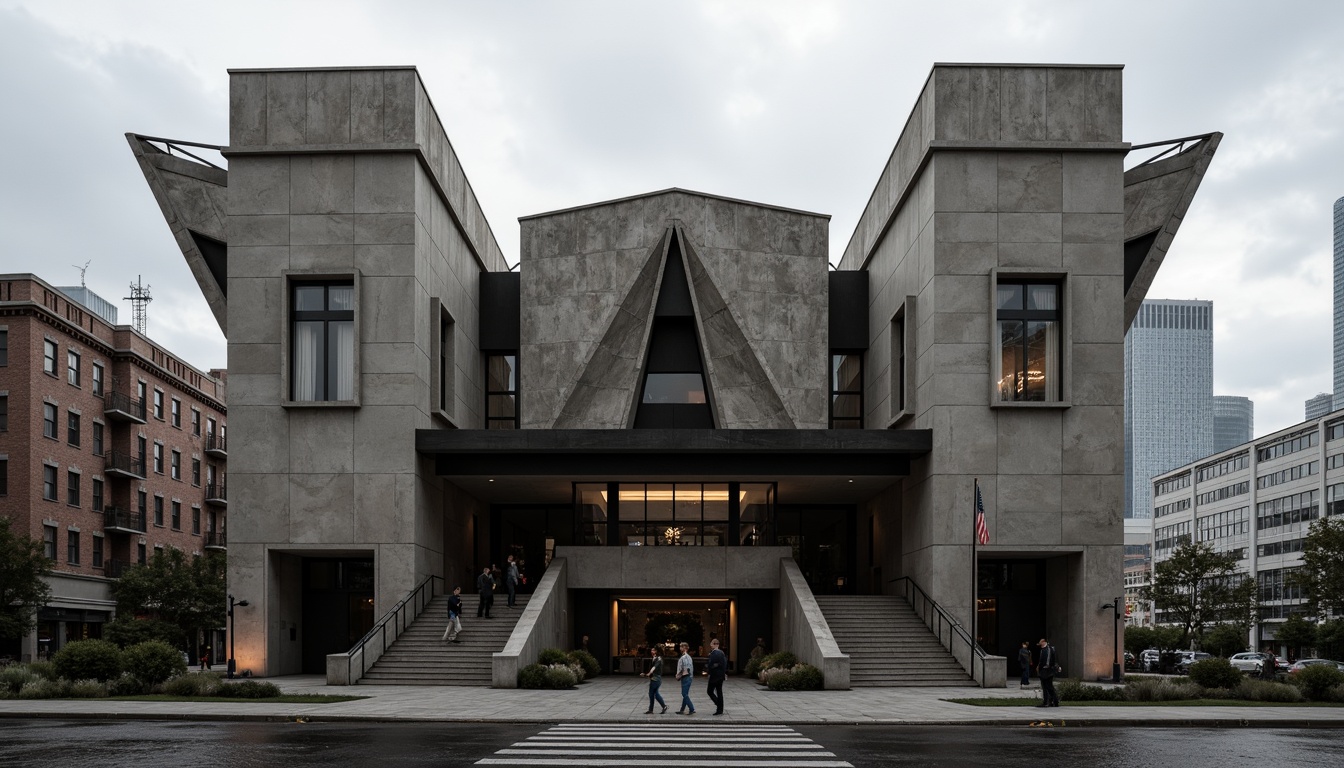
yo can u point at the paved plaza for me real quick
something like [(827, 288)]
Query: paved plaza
[(622, 699)]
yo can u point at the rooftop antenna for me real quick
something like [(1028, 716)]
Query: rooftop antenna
[(139, 299), (82, 270)]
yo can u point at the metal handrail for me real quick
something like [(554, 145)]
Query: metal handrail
[(944, 619), (396, 618)]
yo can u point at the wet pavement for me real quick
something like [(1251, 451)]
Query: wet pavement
[(703, 743)]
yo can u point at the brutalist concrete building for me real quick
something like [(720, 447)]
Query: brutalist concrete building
[(674, 410)]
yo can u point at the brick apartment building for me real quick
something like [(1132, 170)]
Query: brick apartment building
[(110, 447)]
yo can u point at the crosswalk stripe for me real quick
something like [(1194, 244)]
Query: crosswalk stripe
[(668, 752), (597, 744), (588, 761), (669, 737)]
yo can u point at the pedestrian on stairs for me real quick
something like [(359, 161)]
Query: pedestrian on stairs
[(485, 587), (454, 616), (511, 581), (655, 675), (686, 673)]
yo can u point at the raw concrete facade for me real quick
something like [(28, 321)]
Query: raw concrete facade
[(1002, 173)]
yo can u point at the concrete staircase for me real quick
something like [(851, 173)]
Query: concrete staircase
[(888, 645), (419, 657)]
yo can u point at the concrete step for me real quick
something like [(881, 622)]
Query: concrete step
[(888, 644), (420, 657)]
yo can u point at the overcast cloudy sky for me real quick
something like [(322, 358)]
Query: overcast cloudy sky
[(793, 103)]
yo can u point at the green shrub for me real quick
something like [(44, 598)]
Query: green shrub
[(781, 659), (42, 688), (1074, 690), (780, 679), (752, 669), (202, 684), (12, 679), (800, 677), (43, 669), (125, 684), (549, 656), (1161, 689), (1264, 690), (248, 689), (1317, 680), (88, 660), (532, 676), (1215, 673), (559, 677), (88, 689), (585, 660), (1335, 694), (153, 661)]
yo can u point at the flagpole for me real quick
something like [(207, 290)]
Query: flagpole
[(975, 510)]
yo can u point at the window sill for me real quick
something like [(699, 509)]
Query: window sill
[(319, 404), (445, 418), (900, 418), (1058, 405)]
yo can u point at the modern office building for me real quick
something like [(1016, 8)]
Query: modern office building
[(1339, 303), (1138, 570), (674, 403), (1258, 500), (110, 447), (1318, 406), (1169, 413), (1233, 421)]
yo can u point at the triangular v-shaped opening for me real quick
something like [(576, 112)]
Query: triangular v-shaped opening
[(673, 394)]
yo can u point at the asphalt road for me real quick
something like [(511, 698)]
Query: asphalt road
[(145, 744)]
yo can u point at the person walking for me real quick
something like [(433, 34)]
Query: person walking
[(485, 588), (716, 668), (685, 672), (655, 675), (454, 617), (205, 657), (511, 581), (1024, 661), (1047, 666)]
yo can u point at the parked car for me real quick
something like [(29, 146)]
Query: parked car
[(1189, 657), (1148, 660), (1302, 664), (1250, 662)]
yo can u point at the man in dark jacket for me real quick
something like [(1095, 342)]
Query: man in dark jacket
[(716, 667), (485, 588), (1047, 666), (511, 581), (454, 617)]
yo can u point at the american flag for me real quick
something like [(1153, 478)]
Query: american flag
[(981, 530)]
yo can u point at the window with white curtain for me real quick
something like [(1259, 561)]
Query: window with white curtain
[(1027, 346), (322, 341)]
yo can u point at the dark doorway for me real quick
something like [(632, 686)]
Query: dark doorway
[(823, 540), (530, 534), (1010, 607), (337, 608)]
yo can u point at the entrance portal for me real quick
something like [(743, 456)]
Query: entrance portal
[(644, 622), (337, 608)]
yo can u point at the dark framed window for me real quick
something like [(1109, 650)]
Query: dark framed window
[(175, 409), (49, 420), (196, 521), (141, 501), (72, 367), (158, 511), (158, 458), (97, 494), (846, 391), (49, 542), (72, 488), (195, 422), (501, 392), (1028, 349), (4, 413), (49, 358), (72, 428), (322, 341), (4, 475), (140, 446), (141, 392), (175, 465), (97, 552), (447, 363), (96, 377), (97, 439), (72, 547), (196, 472), (177, 516), (158, 404), (140, 553), (4, 346), (49, 482)]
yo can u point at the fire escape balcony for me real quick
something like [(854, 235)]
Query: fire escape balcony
[(123, 464), (119, 406), (117, 520)]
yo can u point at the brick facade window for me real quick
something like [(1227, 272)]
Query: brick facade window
[(49, 483), (72, 367), (49, 357)]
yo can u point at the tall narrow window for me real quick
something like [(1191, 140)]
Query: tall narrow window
[(49, 356), (140, 553), (97, 495), (49, 420), (1027, 345), (72, 488), (72, 367), (322, 342), (72, 428), (898, 362), (176, 411), (97, 551), (4, 412), (142, 392), (846, 391), (445, 361), (4, 346), (49, 542), (49, 482), (195, 422), (72, 547), (158, 404), (674, 395), (196, 472), (175, 465), (4, 475), (97, 439), (158, 458), (177, 515), (97, 378), (501, 392), (140, 446), (158, 511)]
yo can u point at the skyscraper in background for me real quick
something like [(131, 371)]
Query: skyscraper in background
[(1339, 303), (1168, 394), (1317, 407), (1233, 421)]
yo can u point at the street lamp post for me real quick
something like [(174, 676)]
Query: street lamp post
[(232, 603), (1115, 631)]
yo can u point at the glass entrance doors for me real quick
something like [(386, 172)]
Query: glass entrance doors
[(674, 514), (665, 622)]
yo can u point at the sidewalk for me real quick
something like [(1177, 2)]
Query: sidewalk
[(624, 699)]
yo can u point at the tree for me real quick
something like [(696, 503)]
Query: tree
[(1224, 640), (190, 594), (1197, 587), (23, 584), (1321, 577), (1139, 639), (1297, 633), (1330, 639)]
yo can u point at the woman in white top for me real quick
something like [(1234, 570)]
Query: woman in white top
[(685, 673)]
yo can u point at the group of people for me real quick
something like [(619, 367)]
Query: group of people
[(490, 577), (716, 669), (1047, 668)]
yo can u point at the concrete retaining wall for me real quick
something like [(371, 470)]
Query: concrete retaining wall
[(544, 624), (803, 628)]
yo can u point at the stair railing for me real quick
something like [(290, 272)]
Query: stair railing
[(950, 632), (394, 621)]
